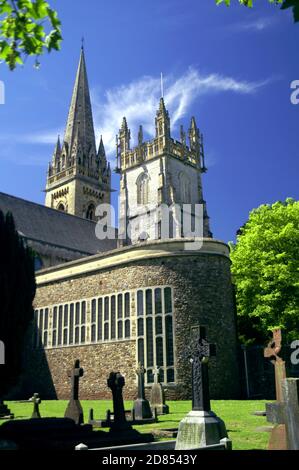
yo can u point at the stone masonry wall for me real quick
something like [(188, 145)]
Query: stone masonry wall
[(202, 294)]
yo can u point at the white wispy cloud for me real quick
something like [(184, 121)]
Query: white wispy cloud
[(138, 101), (256, 25)]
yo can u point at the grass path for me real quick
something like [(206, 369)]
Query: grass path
[(237, 415)]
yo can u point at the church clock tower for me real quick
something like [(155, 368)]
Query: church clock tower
[(79, 177)]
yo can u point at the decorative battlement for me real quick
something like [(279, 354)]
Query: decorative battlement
[(163, 143)]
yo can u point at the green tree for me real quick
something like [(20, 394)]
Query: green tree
[(27, 27), (294, 4), (17, 291), (265, 267)]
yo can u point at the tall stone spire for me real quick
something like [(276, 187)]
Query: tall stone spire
[(79, 178), (80, 121)]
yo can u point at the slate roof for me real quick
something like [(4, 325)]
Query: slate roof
[(40, 223)]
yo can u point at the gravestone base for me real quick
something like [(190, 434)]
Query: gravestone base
[(278, 438), (199, 429), (142, 409), (74, 411)]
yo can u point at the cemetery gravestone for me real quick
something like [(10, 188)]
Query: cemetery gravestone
[(74, 409), (116, 383), (201, 427), (157, 399), (5, 411), (275, 411), (141, 406), (36, 402), (290, 391)]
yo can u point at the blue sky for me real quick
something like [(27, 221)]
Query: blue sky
[(229, 67)]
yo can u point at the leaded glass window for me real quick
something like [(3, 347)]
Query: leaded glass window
[(155, 344)]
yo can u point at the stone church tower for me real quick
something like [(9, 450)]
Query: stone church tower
[(160, 172), (79, 177)]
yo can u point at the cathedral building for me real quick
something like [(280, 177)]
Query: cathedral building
[(119, 302)]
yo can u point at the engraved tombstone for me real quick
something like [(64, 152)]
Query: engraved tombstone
[(157, 399), (201, 427), (36, 402), (74, 409), (141, 406), (116, 383), (274, 411)]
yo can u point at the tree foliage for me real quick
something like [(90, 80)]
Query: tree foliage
[(294, 4), (265, 267), (27, 27), (17, 290)]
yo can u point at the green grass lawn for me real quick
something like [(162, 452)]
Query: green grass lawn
[(237, 415)]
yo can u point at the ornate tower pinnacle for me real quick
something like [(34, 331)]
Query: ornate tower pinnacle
[(162, 121)]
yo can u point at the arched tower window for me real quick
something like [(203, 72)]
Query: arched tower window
[(90, 213), (61, 207), (142, 189), (185, 193)]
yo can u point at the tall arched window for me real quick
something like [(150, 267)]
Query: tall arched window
[(142, 189), (185, 193), (90, 213)]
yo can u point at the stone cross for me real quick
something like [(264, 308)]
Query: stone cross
[(156, 373), (74, 409), (36, 402), (140, 371), (271, 352), (200, 351), (75, 375), (116, 383)]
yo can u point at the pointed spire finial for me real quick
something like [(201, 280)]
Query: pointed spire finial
[(82, 43), (162, 105), (193, 123), (124, 124), (101, 151)]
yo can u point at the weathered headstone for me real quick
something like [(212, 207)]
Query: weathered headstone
[(141, 406), (74, 409), (5, 411), (36, 402), (285, 415), (116, 383), (290, 392), (157, 399), (201, 427), (275, 411), (271, 352)]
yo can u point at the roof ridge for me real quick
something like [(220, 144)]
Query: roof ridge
[(63, 214)]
